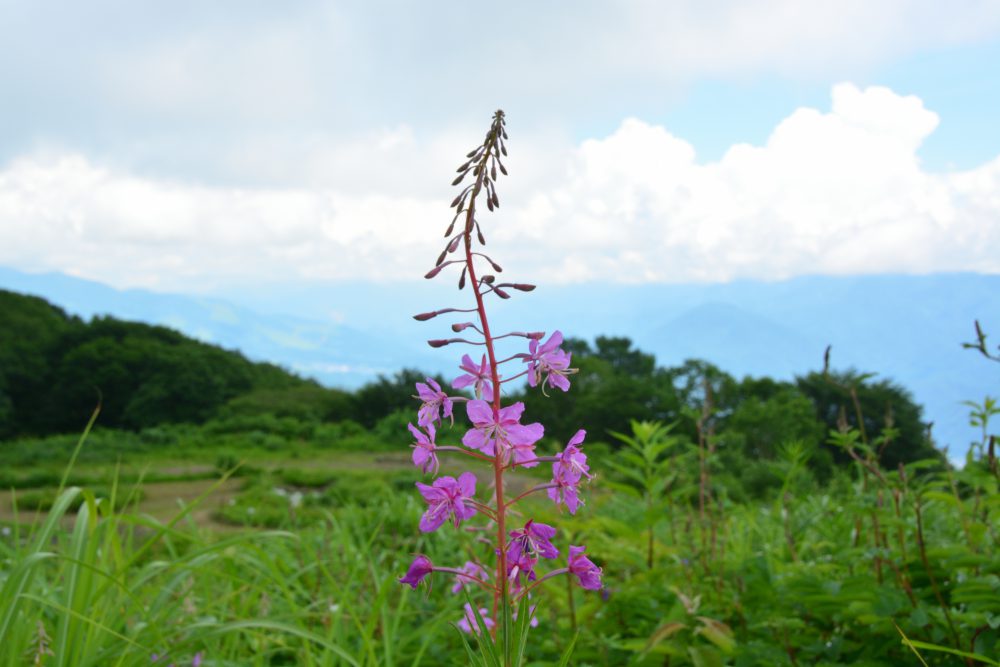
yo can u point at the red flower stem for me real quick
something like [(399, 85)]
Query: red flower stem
[(500, 593), (485, 509), (540, 487), (449, 448), (550, 575)]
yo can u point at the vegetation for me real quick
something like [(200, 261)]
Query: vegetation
[(742, 522)]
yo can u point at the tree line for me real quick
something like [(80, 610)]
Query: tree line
[(54, 368)]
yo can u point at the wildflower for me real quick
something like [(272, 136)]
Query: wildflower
[(532, 541), (446, 497), (423, 449), (470, 568), (475, 375), (469, 620), (584, 569), (548, 363), (196, 661), (511, 435), (419, 568), (567, 472), (434, 401)]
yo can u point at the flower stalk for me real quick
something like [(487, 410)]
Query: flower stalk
[(497, 437)]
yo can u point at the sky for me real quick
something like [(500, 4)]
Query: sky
[(196, 147)]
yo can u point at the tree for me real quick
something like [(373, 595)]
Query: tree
[(880, 404)]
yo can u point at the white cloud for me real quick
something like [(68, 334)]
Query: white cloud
[(835, 192)]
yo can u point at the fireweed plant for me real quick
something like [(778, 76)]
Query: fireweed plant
[(497, 438)]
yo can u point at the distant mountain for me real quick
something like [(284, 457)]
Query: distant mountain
[(905, 328)]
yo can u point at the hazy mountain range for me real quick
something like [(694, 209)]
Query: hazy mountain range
[(905, 328)]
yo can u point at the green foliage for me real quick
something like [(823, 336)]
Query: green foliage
[(880, 405), (54, 369)]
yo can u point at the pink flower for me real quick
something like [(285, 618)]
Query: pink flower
[(469, 620), (433, 402), (549, 363), (585, 570), (471, 568), (534, 540), (447, 497), (567, 473), (513, 437), (478, 375), (423, 449), (419, 568)]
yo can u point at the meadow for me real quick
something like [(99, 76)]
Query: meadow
[(117, 549)]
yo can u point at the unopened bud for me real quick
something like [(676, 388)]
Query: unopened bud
[(500, 293), (461, 326), (423, 317), (433, 272), (438, 342), (523, 287)]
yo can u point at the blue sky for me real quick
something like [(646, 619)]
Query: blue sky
[(194, 147)]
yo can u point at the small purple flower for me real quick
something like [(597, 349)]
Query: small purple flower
[(433, 401), (423, 449), (447, 497), (475, 375), (565, 490), (584, 569), (419, 568), (196, 661), (567, 472), (511, 435), (532, 541), (572, 459), (470, 568), (548, 363), (469, 620)]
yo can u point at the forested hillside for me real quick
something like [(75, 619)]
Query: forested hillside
[(55, 368)]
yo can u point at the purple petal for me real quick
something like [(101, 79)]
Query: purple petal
[(480, 413), (577, 438), (463, 381), (559, 381), (512, 413), (526, 434), (474, 439), (467, 484), (432, 494), (433, 518)]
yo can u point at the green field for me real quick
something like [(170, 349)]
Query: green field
[(285, 560)]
